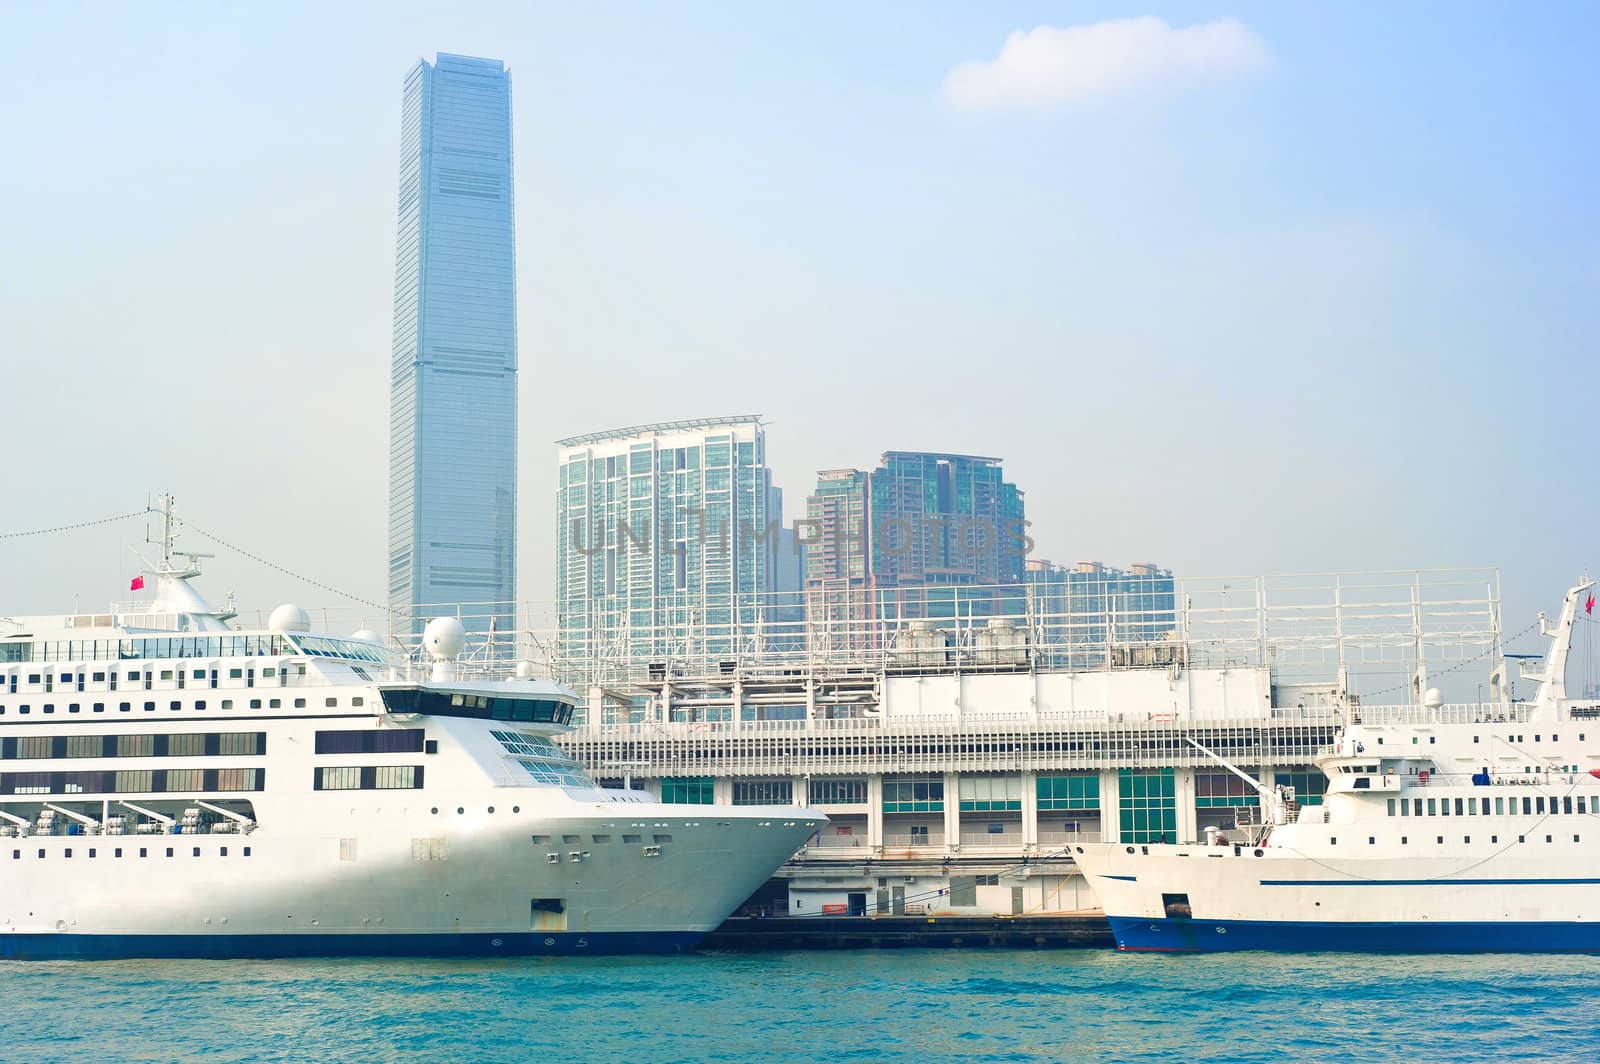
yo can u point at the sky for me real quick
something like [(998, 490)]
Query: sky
[(1251, 289)]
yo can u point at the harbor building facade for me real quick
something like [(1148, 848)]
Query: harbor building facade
[(453, 377), (959, 760), (670, 543)]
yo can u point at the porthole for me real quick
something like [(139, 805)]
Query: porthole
[(435, 810), (1130, 849), (460, 809), (1080, 849), (1258, 853), (516, 809), (491, 809)]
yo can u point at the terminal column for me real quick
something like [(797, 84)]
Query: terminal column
[(1187, 818), (952, 810), (1110, 806), (1030, 811), (875, 811)]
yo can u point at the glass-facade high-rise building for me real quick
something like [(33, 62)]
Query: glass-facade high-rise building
[(940, 519), (453, 385), (669, 541), (1092, 613)]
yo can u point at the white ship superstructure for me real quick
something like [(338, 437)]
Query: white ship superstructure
[(1443, 828), (171, 785)]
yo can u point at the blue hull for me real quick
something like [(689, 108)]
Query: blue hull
[(1215, 936), (66, 946)]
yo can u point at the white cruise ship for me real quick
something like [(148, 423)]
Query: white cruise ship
[(173, 786), (1473, 828)]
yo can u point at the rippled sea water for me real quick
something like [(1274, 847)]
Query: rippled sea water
[(912, 1005)]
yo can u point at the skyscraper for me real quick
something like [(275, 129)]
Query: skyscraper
[(918, 520), (453, 383), (669, 540)]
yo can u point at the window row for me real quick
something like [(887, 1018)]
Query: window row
[(1494, 840), (224, 646), (984, 794), (372, 741), (117, 851), (1068, 792), (1219, 790), (193, 744), (763, 792), (176, 704), (134, 781), (687, 790), (1499, 805), (524, 743), (368, 778), (559, 773), (913, 796), (837, 792), (482, 707)]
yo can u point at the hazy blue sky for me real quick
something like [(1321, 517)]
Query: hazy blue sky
[(1307, 289)]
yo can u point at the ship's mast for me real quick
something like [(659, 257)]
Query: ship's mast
[(1552, 674)]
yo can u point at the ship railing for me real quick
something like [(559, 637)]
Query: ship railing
[(828, 841), (1496, 778), (1059, 839), (1450, 713)]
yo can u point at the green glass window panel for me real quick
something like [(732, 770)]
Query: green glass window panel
[(1147, 805), (1309, 786), (687, 790)]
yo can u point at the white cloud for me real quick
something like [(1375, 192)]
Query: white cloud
[(1051, 65)]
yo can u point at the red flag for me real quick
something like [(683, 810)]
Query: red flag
[(1588, 607), (137, 584)]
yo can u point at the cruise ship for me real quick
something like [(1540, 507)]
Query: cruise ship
[(174, 785), (1443, 829)]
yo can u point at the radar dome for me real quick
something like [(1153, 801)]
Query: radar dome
[(367, 635), (1432, 698), (289, 618), (444, 637), (524, 670)]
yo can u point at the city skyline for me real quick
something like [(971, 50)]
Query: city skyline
[(1238, 322)]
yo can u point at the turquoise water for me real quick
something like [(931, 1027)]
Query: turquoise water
[(914, 1005)]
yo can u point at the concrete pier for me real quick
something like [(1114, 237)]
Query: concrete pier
[(1067, 930)]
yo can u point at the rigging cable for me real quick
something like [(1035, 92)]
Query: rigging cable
[(76, 525), (275, 566)]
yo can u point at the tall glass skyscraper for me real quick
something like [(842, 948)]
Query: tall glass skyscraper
[(669, 540), (453, 383)]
